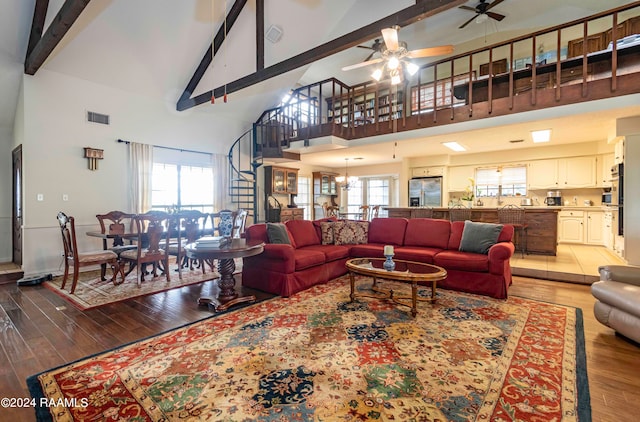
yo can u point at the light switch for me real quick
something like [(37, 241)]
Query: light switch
[(65, 197), (40, 197)]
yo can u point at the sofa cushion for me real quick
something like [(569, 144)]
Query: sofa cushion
[(306, 258), (368, 250), (317, 223), (388, 231), (427, 232), (458, 226), (303, 233), (257, 232), (416, 253), (331, 252), (479, 237), (464, 261), (326, 233), (346, 232), (277, 234)]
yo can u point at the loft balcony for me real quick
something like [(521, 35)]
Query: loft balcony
[(584, 60)]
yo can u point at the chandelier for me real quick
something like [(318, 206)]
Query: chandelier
[(346, 182)]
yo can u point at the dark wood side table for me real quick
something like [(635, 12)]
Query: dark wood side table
[(238, 248)]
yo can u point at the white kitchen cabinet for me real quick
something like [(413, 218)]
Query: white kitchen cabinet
[(607, 229), (603, 175), (459, 178), (595, 224), (542, 174), (577, 172), (571, 226), (427, 171)]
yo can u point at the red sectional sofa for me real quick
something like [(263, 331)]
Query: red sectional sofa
[(287, 269)]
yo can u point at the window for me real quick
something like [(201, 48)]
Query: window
[(181, 179), (354, 197), (303, 199), (503, 181)]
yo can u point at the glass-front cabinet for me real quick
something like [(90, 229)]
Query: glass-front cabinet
[(280, 180), (328, 184)]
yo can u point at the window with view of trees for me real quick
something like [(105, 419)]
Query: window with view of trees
[(503, 180)]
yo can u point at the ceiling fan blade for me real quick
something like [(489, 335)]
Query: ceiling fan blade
[(473, 9), (369, 56), (363, 64), (365, 46), (495, 3), (496, 16), (467, 22), (430, 51), (390, 36)]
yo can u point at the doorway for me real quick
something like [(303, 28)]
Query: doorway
[(17, 206)]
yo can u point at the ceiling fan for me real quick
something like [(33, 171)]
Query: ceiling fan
[(482, 11), (377, 47), (394, 55)]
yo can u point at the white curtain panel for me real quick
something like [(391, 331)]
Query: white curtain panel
[(140, 165), (221, 199)]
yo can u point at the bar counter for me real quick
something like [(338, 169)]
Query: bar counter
[(542, 222)]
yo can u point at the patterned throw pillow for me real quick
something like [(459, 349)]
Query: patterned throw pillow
[(350, 232), (326, 229)]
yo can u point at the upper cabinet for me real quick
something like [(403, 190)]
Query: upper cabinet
[(542, 174), (603, 171), (564, 173), (577, 172), (459, 178), (427, 171), (280, 180)]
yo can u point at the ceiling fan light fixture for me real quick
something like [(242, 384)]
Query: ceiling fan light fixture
[(377, 74), (481, 18), (412, 68), (393, 63), (396, 77)]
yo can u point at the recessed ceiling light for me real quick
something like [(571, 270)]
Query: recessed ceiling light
[(454, 146), (539, 136)]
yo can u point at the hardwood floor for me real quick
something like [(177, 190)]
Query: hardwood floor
[(39, 330)]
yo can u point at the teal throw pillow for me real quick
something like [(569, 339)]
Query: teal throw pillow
[(277, 233), (479, 237)]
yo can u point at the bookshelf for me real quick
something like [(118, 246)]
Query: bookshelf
[(366, 105)]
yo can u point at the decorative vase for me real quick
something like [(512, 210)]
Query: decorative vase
[(468, 204), (389, 265)]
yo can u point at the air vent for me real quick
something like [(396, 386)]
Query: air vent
[(516, 141), (94, 117)]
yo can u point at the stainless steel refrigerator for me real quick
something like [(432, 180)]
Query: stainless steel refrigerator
[(425, 192)]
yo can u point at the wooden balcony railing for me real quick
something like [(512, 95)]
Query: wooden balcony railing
[(570, 63)]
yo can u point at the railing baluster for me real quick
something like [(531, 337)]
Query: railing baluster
[(614, 53), (511, 66), (534, 65), (559, 66), (584, 59), (490, 83)]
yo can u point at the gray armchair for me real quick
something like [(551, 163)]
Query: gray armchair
[(618, 299)]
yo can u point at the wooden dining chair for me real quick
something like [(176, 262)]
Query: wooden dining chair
[(117, 225), (191, 226), (239, 223), (375, 211), (364, 212), (81, 259), (515, 215), (153, 243)]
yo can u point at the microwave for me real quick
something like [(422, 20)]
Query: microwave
[(606, 198)]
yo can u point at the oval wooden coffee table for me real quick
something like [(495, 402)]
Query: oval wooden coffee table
[(405, 271), (225, 255)]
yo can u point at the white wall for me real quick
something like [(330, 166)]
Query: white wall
[(55, 133)]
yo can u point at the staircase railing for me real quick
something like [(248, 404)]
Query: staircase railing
[(243, 165)]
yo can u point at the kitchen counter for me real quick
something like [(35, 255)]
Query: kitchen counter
[(542, 222)]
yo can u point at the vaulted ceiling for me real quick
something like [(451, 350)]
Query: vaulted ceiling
[(153, 47)]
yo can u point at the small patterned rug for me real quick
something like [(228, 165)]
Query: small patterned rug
[(92, 292), (316, 356)]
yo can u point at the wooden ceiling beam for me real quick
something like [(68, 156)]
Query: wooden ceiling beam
[(407, 16), (37, 24), (42, 48), (231, 18)]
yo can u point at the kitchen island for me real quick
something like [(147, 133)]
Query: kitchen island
[(542, 222)]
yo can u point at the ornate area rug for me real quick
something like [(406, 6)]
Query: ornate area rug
[(92, 292), (315, 356)]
